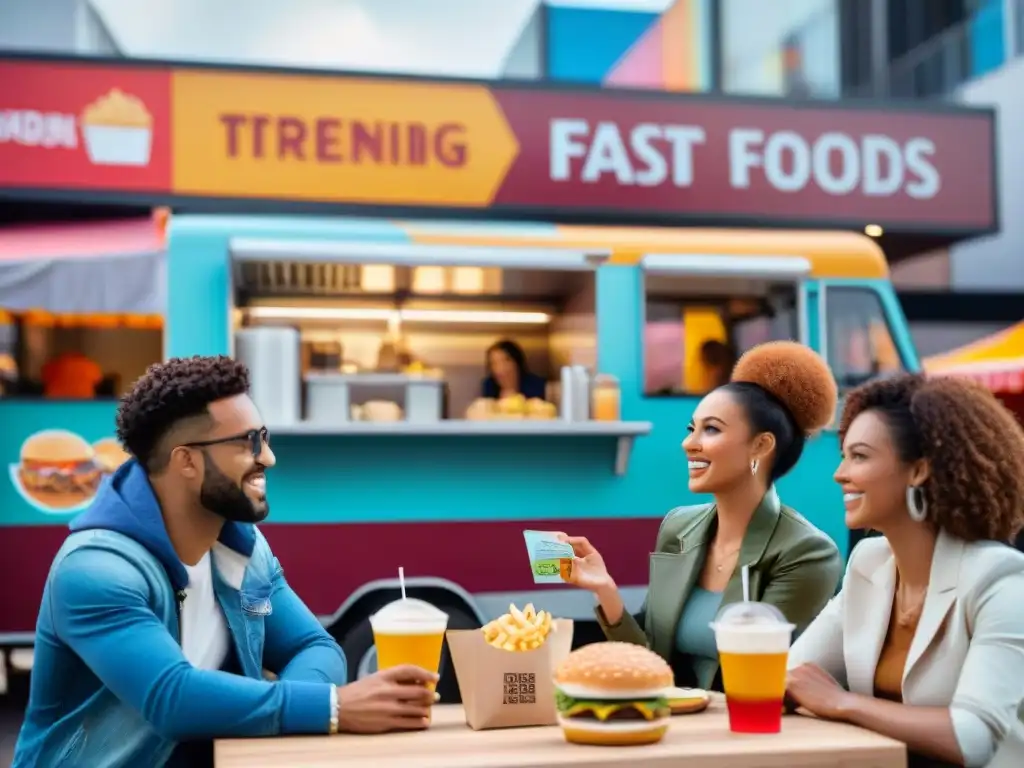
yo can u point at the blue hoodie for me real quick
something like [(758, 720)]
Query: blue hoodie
[(110, 685)]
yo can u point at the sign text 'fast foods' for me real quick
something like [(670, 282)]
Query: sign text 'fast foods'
[(651, 155), (533, 153), (701, 158)]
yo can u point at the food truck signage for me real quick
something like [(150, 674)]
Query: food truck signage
[(66, 126), (365, 141)]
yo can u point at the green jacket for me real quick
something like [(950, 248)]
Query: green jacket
[(793, 566)]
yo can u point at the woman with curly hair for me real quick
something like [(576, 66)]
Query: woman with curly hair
[(925, 642), (742, 437)]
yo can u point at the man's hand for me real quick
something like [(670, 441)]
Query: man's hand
[(396, 699)]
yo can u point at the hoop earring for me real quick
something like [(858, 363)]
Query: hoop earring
[(917, 504), (753, 466)]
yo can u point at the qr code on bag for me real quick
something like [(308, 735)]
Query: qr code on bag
[(520, 688)]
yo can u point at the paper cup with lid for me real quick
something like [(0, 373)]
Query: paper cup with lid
[(409, 631), (753, 642)]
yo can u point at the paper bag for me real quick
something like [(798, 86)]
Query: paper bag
[(505, 689)]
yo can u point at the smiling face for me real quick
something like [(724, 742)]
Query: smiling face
[(873, 477), (720, 445), (234, 483)]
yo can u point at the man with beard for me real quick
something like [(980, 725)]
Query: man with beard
[(165, 604)]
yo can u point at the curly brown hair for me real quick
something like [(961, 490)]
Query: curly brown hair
[(169, 393), (973, 445), (786, 389), (797, 376)]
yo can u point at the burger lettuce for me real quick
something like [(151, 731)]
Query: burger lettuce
[(612, 709)]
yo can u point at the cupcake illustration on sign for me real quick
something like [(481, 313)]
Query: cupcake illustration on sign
[(118, 130), (60, 472)]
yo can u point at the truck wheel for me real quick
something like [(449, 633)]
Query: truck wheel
[(362, 655), (359, 651), (448, 685)]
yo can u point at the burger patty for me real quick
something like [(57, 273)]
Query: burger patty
[(85, 480), (612, 709), (625, 713)]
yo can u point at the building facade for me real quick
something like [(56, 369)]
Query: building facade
[(809, 48)]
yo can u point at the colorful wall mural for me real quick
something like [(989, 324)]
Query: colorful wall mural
[(662, 46)]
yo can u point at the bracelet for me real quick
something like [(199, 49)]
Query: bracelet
[(333, 727)]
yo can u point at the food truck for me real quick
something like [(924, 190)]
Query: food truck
[(360, 489), (364, 298)]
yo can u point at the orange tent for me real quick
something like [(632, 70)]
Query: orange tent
[(996, 361)]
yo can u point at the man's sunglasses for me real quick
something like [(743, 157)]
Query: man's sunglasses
[(256, 438)]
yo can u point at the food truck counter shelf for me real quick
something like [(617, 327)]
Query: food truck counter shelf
[(372, 379), (512, 427), (331, 393), (624, 431)]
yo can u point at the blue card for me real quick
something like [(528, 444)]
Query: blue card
[(550, 559)]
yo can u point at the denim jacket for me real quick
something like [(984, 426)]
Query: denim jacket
[(111, 687)]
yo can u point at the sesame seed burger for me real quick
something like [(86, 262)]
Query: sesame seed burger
[(613, 694)]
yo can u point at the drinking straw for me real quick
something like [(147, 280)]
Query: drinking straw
[(744, 576), (401, 580)]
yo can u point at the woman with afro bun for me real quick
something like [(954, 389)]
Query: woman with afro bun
[(925, 641), (743, 437)]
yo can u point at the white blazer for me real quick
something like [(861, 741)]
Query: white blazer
[(967, 653), (1011, 753)]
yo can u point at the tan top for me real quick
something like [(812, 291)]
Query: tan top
[(987, 629), (893, 658)]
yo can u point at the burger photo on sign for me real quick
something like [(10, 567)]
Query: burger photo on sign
[(109, 455), (613, 694), (58, 472)]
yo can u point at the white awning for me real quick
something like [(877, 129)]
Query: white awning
[(107, 267)]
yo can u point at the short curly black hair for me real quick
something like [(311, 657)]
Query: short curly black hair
[(973, 444), (169, 393)]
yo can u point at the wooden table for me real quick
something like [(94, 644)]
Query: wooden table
[(703, 741)]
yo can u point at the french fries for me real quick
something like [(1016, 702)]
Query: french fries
[(518, 631)]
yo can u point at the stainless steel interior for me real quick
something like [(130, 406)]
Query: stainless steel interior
[(258, 280)]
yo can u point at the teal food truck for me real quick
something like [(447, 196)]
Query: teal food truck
[(367, 340)]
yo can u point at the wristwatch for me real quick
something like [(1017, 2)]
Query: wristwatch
[(333, 727)]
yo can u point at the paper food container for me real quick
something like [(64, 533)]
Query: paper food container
[(507, 689)]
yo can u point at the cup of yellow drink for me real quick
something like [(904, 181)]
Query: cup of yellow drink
[(409, 631), (753, 647)]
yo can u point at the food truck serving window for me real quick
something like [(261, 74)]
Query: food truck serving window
[(699, 317), (859, 342), (489, 327)]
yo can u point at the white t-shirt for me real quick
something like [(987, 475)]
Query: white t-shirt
[(204, 631)]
